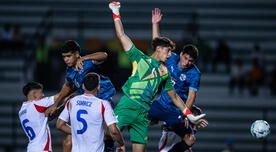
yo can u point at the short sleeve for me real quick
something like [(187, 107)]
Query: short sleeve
[(45, 102), (109, 116), (134, 54), (195, 82), (65, 113), (89, 65)]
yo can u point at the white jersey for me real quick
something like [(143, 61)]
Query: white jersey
[(87, 114), (35, 124)]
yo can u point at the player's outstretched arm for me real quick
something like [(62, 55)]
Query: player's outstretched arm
[(124, 39), (59, 109), (65, 91), (98, 57), (63, 126), (156, 19), (116, 136), (186, 111)]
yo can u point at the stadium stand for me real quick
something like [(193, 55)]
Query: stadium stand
[(240, 23)]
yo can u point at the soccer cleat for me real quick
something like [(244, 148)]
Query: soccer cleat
[(115, 7)]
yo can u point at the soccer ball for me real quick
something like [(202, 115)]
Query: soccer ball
[(260, 129)]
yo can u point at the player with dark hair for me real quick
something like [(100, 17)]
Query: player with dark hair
[(186, 81), (149, 73), (32, 117), (77, 67), (86, 114)]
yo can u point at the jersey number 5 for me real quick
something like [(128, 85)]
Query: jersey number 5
[(29, 130), (80, 119)]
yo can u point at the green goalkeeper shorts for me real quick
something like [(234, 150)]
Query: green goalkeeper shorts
[(132, 116)]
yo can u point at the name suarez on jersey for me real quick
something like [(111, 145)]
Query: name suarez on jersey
[(84, 103)]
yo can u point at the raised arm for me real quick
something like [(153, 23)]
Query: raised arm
[(97, 57), (156, 18), (124, 39)]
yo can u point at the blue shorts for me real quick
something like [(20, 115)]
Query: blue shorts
[(172, 118)]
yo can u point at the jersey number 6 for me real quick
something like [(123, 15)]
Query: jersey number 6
[(29, 130), (80, 119)]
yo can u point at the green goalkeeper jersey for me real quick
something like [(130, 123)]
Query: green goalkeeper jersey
[(147, 75)]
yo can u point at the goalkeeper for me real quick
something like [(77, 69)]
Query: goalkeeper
[(149, 73)]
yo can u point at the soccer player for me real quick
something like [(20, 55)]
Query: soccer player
[(33, 119), (186, 81), (148, 75), (77, 67), (87, 113)]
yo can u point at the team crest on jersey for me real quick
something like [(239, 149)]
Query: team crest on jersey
[(182, 77)]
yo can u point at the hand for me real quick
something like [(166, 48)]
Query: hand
[(121, 149), (79, 64), (191, 117), (195, 119), (56, 113), (115, 7), (202, 124), (156, 16), (50, 110)]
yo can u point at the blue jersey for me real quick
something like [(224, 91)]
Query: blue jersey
[(76, 77), (183, 81)]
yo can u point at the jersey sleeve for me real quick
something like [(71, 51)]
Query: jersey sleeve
[(65, 113), (168, 84), (109, 116), (195, 82), (45, 102), (134, 54), (89, 65)]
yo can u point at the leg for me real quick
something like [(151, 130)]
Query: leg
[(186, 134), (67, 144), (185, 144), (189, 139), (138, 131), (168, 140), (138, 147)]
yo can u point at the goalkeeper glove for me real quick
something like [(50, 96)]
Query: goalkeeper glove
[(115, 7), (192, 118)]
